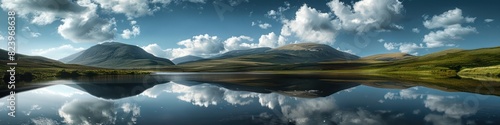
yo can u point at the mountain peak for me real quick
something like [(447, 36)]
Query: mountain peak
[(118, 55)]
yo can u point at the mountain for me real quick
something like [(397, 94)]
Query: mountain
[(188, 58), (452, 59), (31, 61), (307, 53), (71, 57), (236, 53), (273, 59), (388, 57), (118, 55)]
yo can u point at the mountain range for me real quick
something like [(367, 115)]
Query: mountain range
[(302, 56)]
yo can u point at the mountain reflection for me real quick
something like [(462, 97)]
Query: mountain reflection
[(256, 99)]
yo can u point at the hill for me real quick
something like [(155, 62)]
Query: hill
[(118, 56), (185, 59), (71, 57), (388, 57), (272, 59), (236, 53)]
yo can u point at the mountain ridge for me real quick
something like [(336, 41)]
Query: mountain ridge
[(118, 55)]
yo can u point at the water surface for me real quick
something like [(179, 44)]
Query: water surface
[(182, 99)]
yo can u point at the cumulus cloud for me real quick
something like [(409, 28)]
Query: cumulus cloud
[(261, 24), (238, 43), (140, 7), (367, 15), (265, 25), (447, 36), (155, 49), (311, 25), (271, 40), (488, 20), (57, 52), (80, 22), (415, 30), (403, 47), (390, 45), (127, 33), (201, 45), (410, 48), (447, 18)]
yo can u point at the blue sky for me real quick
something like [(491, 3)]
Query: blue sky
[(175, 28)]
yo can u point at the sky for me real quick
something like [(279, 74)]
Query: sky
[(176, 28)]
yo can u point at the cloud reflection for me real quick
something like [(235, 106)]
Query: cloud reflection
[(301, 111), (453, 107), (97, 111)]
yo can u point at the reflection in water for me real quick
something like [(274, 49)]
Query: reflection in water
[(221, 100)]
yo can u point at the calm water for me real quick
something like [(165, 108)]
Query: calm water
[(180, 99)]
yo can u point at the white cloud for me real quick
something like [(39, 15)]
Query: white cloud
[(415, 30), (238, 43), (271, 40), (201, 45), (410, 48), (88, 112), (403, 47), (44, 121), (447, 18), (367, 15), (132, 109), (399, 27), (31, 33), (447, 36), (470, 19), (57, 52), (140, 7), (97, 111), (488, 20), (380, 40), (390, 45), (449, 106), (80, 22), (278, 14), (265, 25), (155, 49), (310, 25), (127, 33)]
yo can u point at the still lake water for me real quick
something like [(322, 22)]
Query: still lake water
[(233, 98)]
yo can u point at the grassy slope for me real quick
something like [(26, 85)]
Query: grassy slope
[(442, 61), (44, 68)]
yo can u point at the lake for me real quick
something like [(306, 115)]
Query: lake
[(253, 98)]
